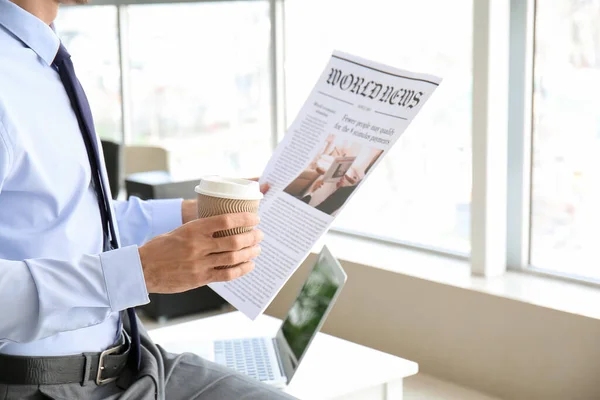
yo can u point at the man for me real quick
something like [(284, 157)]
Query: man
[(72, 264)]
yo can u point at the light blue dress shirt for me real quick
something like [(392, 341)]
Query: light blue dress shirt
[(58, 294)]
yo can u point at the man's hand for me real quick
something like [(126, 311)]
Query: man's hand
[(189, 211), (317, 185), (264, 188), (187, 257)]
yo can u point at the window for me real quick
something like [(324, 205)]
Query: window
[(565, 203), (90, 36), (199, 80), (423, 185)]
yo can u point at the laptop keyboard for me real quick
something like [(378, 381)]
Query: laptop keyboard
[(248, 356)]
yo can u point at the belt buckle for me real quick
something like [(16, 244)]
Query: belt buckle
[(99, 380)]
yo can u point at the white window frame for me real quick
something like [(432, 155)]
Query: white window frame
[(491, 27), (520, 134)]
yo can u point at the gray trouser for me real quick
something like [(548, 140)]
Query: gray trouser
[(162, 376)]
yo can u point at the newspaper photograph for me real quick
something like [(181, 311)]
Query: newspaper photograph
[(355, 113)]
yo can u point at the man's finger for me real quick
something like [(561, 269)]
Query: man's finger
[(224, 222), (229, 274), (264, 188), (238, 242), (233, 257)]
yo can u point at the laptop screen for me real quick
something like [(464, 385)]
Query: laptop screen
[(312, 304)]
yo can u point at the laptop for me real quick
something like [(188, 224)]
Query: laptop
[(274, 360)]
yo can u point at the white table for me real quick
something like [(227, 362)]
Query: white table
[(332, 368)]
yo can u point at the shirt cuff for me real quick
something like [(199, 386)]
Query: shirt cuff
[(124, 278), (166, 215)]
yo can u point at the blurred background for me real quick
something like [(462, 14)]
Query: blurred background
[(199, 85)]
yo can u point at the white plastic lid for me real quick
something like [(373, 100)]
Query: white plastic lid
[(229, 188)]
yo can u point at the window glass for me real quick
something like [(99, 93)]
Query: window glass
[(199, 76), (90, 36), (565, 209), (421, 192)]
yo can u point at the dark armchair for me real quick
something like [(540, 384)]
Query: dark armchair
[(112, 158)]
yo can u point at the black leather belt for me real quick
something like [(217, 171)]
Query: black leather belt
[(102, 367)]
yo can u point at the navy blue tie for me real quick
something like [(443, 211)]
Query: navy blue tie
[(80, 105)]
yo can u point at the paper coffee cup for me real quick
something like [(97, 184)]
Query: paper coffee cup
[(219, 195)]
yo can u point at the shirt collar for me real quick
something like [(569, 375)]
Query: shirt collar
[(30, 30)]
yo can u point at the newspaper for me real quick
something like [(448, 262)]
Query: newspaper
[(353, 116)]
